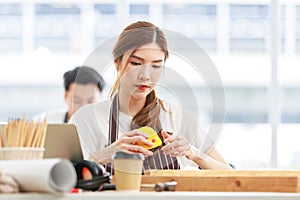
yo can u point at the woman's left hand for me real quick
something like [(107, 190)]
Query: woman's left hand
[(176, 145)]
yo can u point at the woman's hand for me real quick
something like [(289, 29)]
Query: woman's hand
[(8, 184), (176, 145), (128, 143)]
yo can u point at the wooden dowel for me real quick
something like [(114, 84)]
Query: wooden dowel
[(26, 135), (31, 132), (36, 135), (10, 134), (39, 141), (13, 133), (22, 131), (6, 127), (1, 137), (19, 133), (5, 134), (44, 131)]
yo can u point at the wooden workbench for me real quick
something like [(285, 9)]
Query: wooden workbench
[(228, 181)]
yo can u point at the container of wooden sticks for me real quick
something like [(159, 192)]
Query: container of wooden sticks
[(20, 140), (21, 153)]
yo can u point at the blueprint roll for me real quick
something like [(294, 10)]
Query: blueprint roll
[(44, 175)]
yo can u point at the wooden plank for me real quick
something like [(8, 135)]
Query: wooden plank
[(222, 173), (229, 183)]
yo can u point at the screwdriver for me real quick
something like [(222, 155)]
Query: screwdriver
[(159, 187)]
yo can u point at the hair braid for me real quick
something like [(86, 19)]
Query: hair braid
[(149, 115)]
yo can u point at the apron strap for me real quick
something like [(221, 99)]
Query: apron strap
[(114, 120), (113, 127)]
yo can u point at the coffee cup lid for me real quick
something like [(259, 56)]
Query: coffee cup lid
[(122, 154)]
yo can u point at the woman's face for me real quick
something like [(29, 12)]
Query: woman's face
[(143, 71)]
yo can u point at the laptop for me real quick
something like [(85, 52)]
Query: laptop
[(62, 141)]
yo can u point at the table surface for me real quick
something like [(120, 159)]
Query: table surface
[(155, 195)]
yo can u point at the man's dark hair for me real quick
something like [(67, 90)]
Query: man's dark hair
[(83, 75)]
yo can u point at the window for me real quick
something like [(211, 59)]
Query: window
[(106, 22), (298, 29), (193, 20), (249, 27), (57, 27), (138, 12), (11, 28)]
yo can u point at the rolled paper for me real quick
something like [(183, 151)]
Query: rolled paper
[(45, 175)]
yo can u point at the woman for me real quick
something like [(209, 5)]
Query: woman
[(139, 57)]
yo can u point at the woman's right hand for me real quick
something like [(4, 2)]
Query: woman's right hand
[(128, 143), (8, 184)]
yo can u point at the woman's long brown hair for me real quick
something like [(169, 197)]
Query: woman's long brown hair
[(132, 37)]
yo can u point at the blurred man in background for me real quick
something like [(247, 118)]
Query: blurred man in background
[(83, 85)]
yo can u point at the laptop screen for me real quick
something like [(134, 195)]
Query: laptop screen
[(62, 141)]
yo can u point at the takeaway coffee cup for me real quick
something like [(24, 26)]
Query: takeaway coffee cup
[(128, 171)]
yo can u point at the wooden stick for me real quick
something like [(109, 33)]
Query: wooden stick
[(6, 129), (13, 134), (22, 131), (44, 131), (31, 133), (36, 135), (20, 122), (26, 135), (39, 142), (17, 133), (10, 134), (1, 137), (5, 134)]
